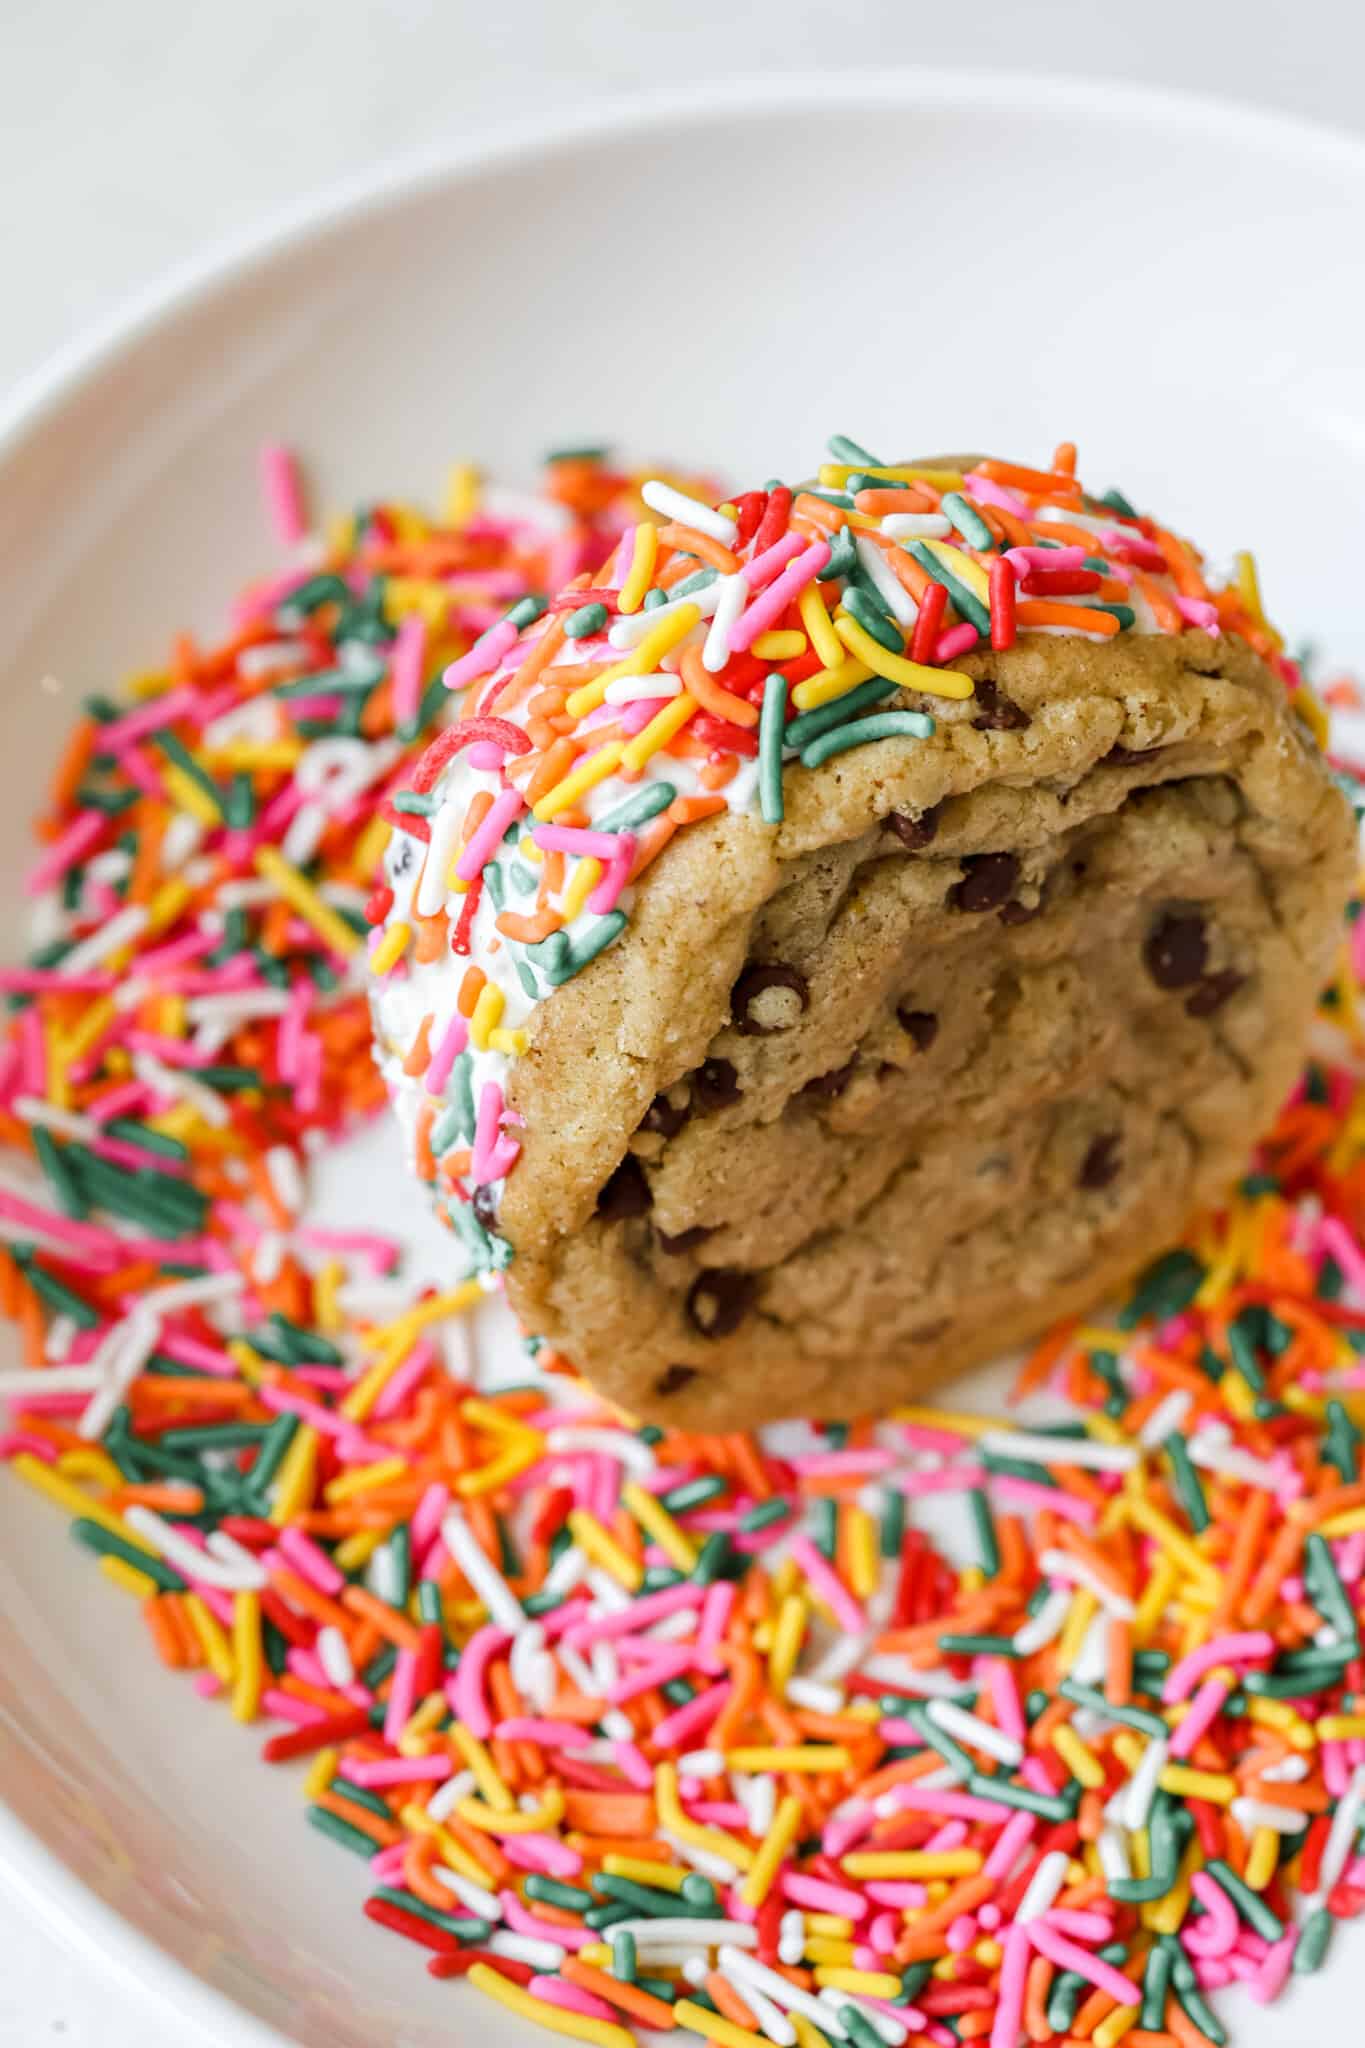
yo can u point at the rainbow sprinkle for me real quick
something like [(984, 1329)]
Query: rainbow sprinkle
[(636, 1728), (711, 653)]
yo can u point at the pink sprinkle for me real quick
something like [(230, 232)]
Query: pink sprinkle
[(150, 717), (640, 1613), (1197, 611), (1026, 560), (506, 807), (961, 1934), (574, 839), (207, 1686), (912, 1798), (663, 1664), (483, 656), (822, 1896), (410, 1372), (1249, 1647), (1204, 1710), (16, 1440), (715, 1617), (633, 1765), (986, 492), (285, 1707), (549, 1734), (636, 715), (1009, 2012), (559, 1991), (427, 1520), (310, 1562), (944, 1479), (959, 639), (1133, 546), (399, 1770), (686, 1723), (827, 1586), (283, 493), (1335, 1238), (834, 1464), (897, 1891), (607, 893), (465, 1686), (33, 981), (544, 1853), (73, 844), (1010, 1844), (402, 1696), (1085, 1926), (386, 1867), (381, 1252), (1005, 1699), (762, 569), (1029, 1494), (1069, 1956), (778, 596), (918, 1436), (405, 668), (1216, 1932)]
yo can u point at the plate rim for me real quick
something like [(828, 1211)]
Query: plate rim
[(31, 1873)]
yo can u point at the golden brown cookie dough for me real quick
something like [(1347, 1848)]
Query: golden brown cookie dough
[(863, 1098)]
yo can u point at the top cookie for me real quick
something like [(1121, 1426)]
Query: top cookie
[(1008, 878)]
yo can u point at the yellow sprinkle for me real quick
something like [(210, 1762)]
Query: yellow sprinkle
[(320, 1773), (326, 1309), (299, 893), (808, 2035), (361, 1478), (808, 1756), (786, 1826), (188, 795), (837, 1924), (956, 1419), (821, 1948), (598, 1544), (989, 1952), (1279, 1714), (641, 661), (477, 1759), (395, 1340), (786, 1645), (370, 847), (248, 1662), (213, 1639), (657, 734), (492, 1820), (1341, 1525), (864, 1564), (128, 1577), (1166, 1915), (249, 1363), (357, 1550), (297, 1477), (1341, 1727), (391, 947), (487, 1012), (453, 1852), (561, 2020), (414, 1737), (834, 475), (712, 2024), (644, 553), (779, 646), (461, 495), (74, 1499), (963, 567), (1187, 1783), (92, 1024), (1164, 1532), (253, 754), (911, 675), (147, 683), (816, 620), (513, 1043), (488, 1478), (167, 904), (656, 1521), (666, 1876), (1082, 1611), (586, 875), (672, 1817), (90, 1462), (871, 1983), (912, 1862), (1262, 1858), (1120, 2022), (1155, 1599), (1078, 1757), (596, 768), (1249, 590)]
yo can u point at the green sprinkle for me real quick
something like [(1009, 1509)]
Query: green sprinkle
[(464, 1927), (1342, 1446), (1017, 1468), (700, 579), (361, 1795), (967, 520), (848, 451), (712, 1560), (176, 750), (1048, 1806), (146, 1139), (622, 1956), (58, 1296), (638, 809), (825, 717), (412, 805), (1187, 1482), (873, 619), (492, 878), (592, 453), (526, 610), (1242, 1346), (581, 951), (1312, 1943), (772, 723), (1325, 1587), (764, 1515), (571, 1897), (824, 1530), (859, 2028), (983, 1524), (860, 732), (106, 1544), (966, 1644), (341, 1831), (1198, 2009), (216, 1436), (693, 1493), (1168, 1285), (460, 1092), (1118, 503), (587, 620), (843, 556), (1156, 1981), (1260, 1917), (1124, 613), (893, 1524), (1131, 1717), (967, 602), (653, 599), (863, 480)]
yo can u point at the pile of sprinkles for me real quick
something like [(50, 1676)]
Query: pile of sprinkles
[(718, 647), (634, 1728)]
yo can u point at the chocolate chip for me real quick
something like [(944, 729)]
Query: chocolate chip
[(626, 1193), (998, 713), (1213, 991), (485, 1207), (674, 1378), (1016, 912), (926, 1332), (1101, 1162), (684, 1240), (1128, 757), (752, 984), (663, 1117), (1176, 949), (834, 1083), (715, 1085), (913, 832), (719, 1300), (922, 1025), (988, 882)]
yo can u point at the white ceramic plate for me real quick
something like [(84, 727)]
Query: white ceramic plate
[(921, 261)]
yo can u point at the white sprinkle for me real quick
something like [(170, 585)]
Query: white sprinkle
[(1166, 1418), (181, 1087), (1042, 1627), (61, 1335), (637, 1457), (1043, 1887), (579, 1673), (122, 928), (748, 1973), (526, 1948), (734, 595), (694, 1969), (183, 837), (815, 1697), (238, 1005), (772, 2021), (893, 594), (916, 526), (434, 884), (1208, 1451), (617, 1725), (1113, 1854), (629, 631), (56, 1379), (1260, 1813), (791, 1937), (1059, 1450), (473, 1896), (1342, 1833), (246, 721), (286, 1177), (335, 1656), (718, 1868), (225, 1577), (630, 689), (1060, 1564), (447, 1797), (1141, 1787), (661, 497), (651, 1933), (840, 1658), (758, 1797), (701, 1763), (121, 1357), (203, 1292), (978, 1734), (267, 1260), (487, 1581), (1092, 1659), (1289, 1771)]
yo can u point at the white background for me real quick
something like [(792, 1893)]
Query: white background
[(134, 134)]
